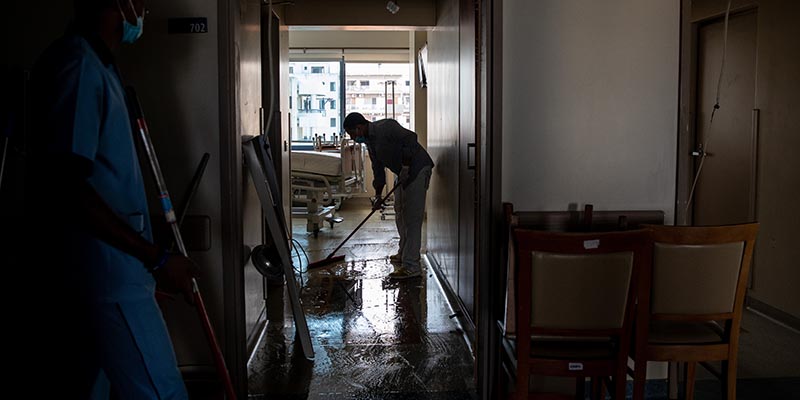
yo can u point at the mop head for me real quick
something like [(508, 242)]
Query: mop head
[(328, 262)]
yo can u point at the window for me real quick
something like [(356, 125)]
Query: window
[(351, 83), (374, 101), (408, 83), (364, 83), (321, 104), (333, 104), (333, 86), (290, 101), (317, 70), (333, 122), (291, 70)]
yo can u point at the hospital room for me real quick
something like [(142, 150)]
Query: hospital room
[(375, 199)]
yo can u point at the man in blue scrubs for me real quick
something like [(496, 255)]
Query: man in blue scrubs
[(86, 186)]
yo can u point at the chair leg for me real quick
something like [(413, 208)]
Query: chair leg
[(620, 382), (580, 387), (672, 380), (639, 379), (691, 368), (729, 379), (597, 388), (522, 386)]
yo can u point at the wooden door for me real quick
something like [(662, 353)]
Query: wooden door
[(726, 187)]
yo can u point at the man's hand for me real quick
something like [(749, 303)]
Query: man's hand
[(403, 177), (176, 276), (377, 203)]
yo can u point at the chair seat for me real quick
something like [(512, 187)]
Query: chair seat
[(566, 348), (682, 332)]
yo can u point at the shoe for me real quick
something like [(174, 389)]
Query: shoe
[(401, 273), (398, 259)]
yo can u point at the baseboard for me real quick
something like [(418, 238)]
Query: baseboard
[(778, 316), (254, 338), (459, 310)]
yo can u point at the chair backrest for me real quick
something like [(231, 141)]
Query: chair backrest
[(565, 289), (578, 284), (700, 272), (561, 221)]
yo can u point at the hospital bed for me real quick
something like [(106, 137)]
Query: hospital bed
[(321, 180)]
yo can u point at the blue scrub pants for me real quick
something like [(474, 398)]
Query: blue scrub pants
[(134, 352)]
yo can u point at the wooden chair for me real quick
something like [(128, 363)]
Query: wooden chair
[(695, 312), (575, 305)]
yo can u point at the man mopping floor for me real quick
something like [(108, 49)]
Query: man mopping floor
[(394, 147)]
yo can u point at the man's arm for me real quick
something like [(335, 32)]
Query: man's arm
[(84, 206), (378, 176)]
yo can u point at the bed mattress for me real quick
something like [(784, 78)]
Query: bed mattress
[(317, 162)]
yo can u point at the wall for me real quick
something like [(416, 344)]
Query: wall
[(419, 96), (419, 116), (590, 94), (338, 39), (443, 140), (776, 272), (359, 14)]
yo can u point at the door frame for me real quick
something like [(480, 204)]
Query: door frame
[(489, 222)]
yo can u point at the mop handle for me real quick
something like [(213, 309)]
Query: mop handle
[(375, 208), (169, 214)]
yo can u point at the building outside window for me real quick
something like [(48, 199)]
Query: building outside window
[(369, 98), (311, 84)]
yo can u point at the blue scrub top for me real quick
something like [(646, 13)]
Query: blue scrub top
[(86, 116)]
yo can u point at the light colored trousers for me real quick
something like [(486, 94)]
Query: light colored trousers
[(409, 208)]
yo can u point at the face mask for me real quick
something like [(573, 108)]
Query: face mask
[(360, 139), (130, 32)]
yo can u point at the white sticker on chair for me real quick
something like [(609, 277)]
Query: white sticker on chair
[(575, 366), (591, 244)]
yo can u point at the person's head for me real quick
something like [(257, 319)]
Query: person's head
[(121, 20), (356, 126)]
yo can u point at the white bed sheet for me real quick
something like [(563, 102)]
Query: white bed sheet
[(316, 162)]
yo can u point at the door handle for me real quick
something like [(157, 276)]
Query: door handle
[(471, 155)]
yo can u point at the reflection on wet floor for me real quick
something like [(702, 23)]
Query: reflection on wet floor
[(373, 338)]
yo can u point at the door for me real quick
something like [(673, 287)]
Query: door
[(726, 187), (273, 60)]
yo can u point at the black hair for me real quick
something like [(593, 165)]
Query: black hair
[(353, 119)]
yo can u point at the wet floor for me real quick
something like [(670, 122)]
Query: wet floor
[(373, 338)]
